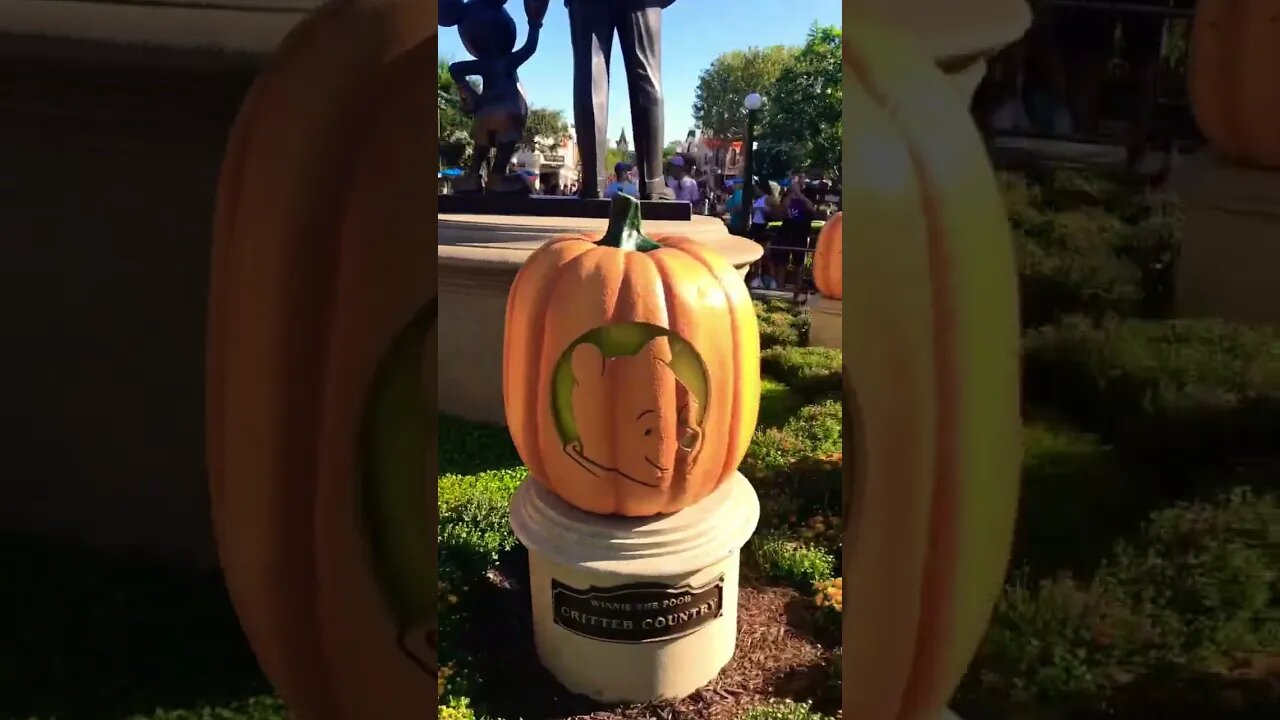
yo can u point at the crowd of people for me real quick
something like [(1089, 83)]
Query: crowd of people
[(1054, 80), (780, 216)]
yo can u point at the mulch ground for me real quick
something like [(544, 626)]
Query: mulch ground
[(777, 656)]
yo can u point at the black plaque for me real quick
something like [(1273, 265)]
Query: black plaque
[(637, 613), (555, 206)]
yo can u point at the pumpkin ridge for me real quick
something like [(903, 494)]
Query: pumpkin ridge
[(678, 497), (537, 276), (735, 448), (946, 643), (281, 663), (945, 626), (890, 518), (704, 259), (267, 617)]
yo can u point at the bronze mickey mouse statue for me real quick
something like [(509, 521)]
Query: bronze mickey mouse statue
[(499, 110)]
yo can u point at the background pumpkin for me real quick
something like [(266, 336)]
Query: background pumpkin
[(1231, 77), (932, 411), (322, 256), (575, 285), (828, 259)]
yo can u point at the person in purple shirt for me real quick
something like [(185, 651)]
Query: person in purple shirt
[(684, 187)]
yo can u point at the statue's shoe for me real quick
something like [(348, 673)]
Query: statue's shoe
[(664, 193)]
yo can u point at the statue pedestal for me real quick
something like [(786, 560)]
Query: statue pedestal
[(479, 258), (825, 318), (635, 609), (1231, 242)]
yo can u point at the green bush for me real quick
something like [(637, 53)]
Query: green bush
[(1054, 281), (1199, 584), (1172, 392), (795, 563), (782, 323), (1052, 649), (1153, 246), (797, 468), (814, 432), (1087, 244), (810, 371), (1206, 575), (474, 526), (778, 403), (260, 708), (782, 710), (1074, 486), (466, 447)]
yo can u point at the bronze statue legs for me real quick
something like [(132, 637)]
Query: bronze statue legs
[(592, 26)]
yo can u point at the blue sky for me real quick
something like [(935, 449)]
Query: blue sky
[(694, 33)]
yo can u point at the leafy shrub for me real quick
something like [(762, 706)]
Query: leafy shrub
[(1173, 392), (1055, 646), (474, 526), (777, 403), (797, 564), (1199, 584), (1153, 246), (468, 447), (457, 709), (1090, 245), (782, 710), (1206, 575), (782, 323), (1054, 281), (810, 371), (812, 433), (1074, 486)]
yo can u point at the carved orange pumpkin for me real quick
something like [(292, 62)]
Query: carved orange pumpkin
[(828, 260), (1231, 78), (631, 368), (932, 377), (321, 365)]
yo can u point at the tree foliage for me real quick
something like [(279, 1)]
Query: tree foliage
[(804, 106), (717, 104), (455, 128), (545, 129)]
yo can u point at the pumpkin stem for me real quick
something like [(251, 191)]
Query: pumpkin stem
[(624, 226)]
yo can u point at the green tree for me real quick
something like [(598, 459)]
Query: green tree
[(454, 128), (804, 106), (717, 103), (613, 156), (545, 129)]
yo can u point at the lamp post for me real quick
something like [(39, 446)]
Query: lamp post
[(752, 103)]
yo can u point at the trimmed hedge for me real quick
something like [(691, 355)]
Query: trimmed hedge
[(1171, 392), (1090, 246), (810, 371), (1195, 588)]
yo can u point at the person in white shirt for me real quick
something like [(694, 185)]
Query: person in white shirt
[(622, 182), (684, 187)]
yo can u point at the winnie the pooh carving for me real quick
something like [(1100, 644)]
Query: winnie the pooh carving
[(652, 432)]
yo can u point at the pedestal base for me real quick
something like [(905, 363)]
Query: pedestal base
[(826, 316), (479, 258), (1231, 242), (632, 610)]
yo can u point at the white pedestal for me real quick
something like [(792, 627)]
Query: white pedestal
[(825, 322), (635, 609), (1231, 242)]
